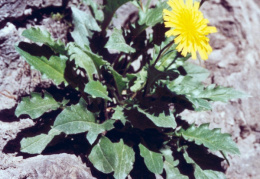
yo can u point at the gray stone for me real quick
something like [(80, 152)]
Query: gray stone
[(13, 9), (62, 166), (234, 63)]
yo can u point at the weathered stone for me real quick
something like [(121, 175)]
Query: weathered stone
[(16, 77), (62, 166), (12, 9), (234, 63)]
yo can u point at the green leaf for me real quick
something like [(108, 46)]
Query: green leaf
[(84, 24), (162, 120), (110, 9), (119, 114), (203, 174), (117, 42), (186, 85), (220, 93), (199, 104), (108, 157), (98, 60), (212, 139), (155, 75), (155, 15), (53, 68), (96, 89), (153, 160), (36, 105), (198, 73), (170, 165), (35, 145), (82, 60), (99, 15), (120, 81), (42, 36), (166, 60), (140, 81), (93, 133), (191, 86), (77, 119)]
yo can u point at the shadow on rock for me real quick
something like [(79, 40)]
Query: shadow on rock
[(201, 156), (42, 125), (7, 115)]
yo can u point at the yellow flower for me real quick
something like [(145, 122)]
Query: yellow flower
[(190, 27)]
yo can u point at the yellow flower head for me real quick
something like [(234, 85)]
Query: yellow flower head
[(190, 27)]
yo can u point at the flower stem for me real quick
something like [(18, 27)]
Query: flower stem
[(162, 52), (174, 60)]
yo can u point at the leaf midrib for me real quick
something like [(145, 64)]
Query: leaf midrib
[(45, 135), (200, 139), (32, 109), (153, 160), (66, 123), (43, 61), (105, 157)]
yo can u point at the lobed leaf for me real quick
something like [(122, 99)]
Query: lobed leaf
[(99, 15), (36, 105), (120, 81), (155, 75), (84, 24), (199, 104), (110, 9), (108, 157), (162, 120), (153, 160), (35, 145), (186, 85), (191, 86), (140, 81), (83, 60), (100, 128), (198, 73), (154, 15), (42, 36), (170, 164), (77, 119), (117, 42), (96, 89), (212, 139), (220, 93), (203, 174), (119, 114), (97, 60), (53, 68)]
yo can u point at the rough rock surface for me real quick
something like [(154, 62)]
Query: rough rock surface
[(234, 62), (13, 9), (63, 166), (16, 80)]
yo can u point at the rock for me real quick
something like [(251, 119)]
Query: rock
[(16, 77), (62, 166), (16, 80), (13, 9), (234, 63)]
